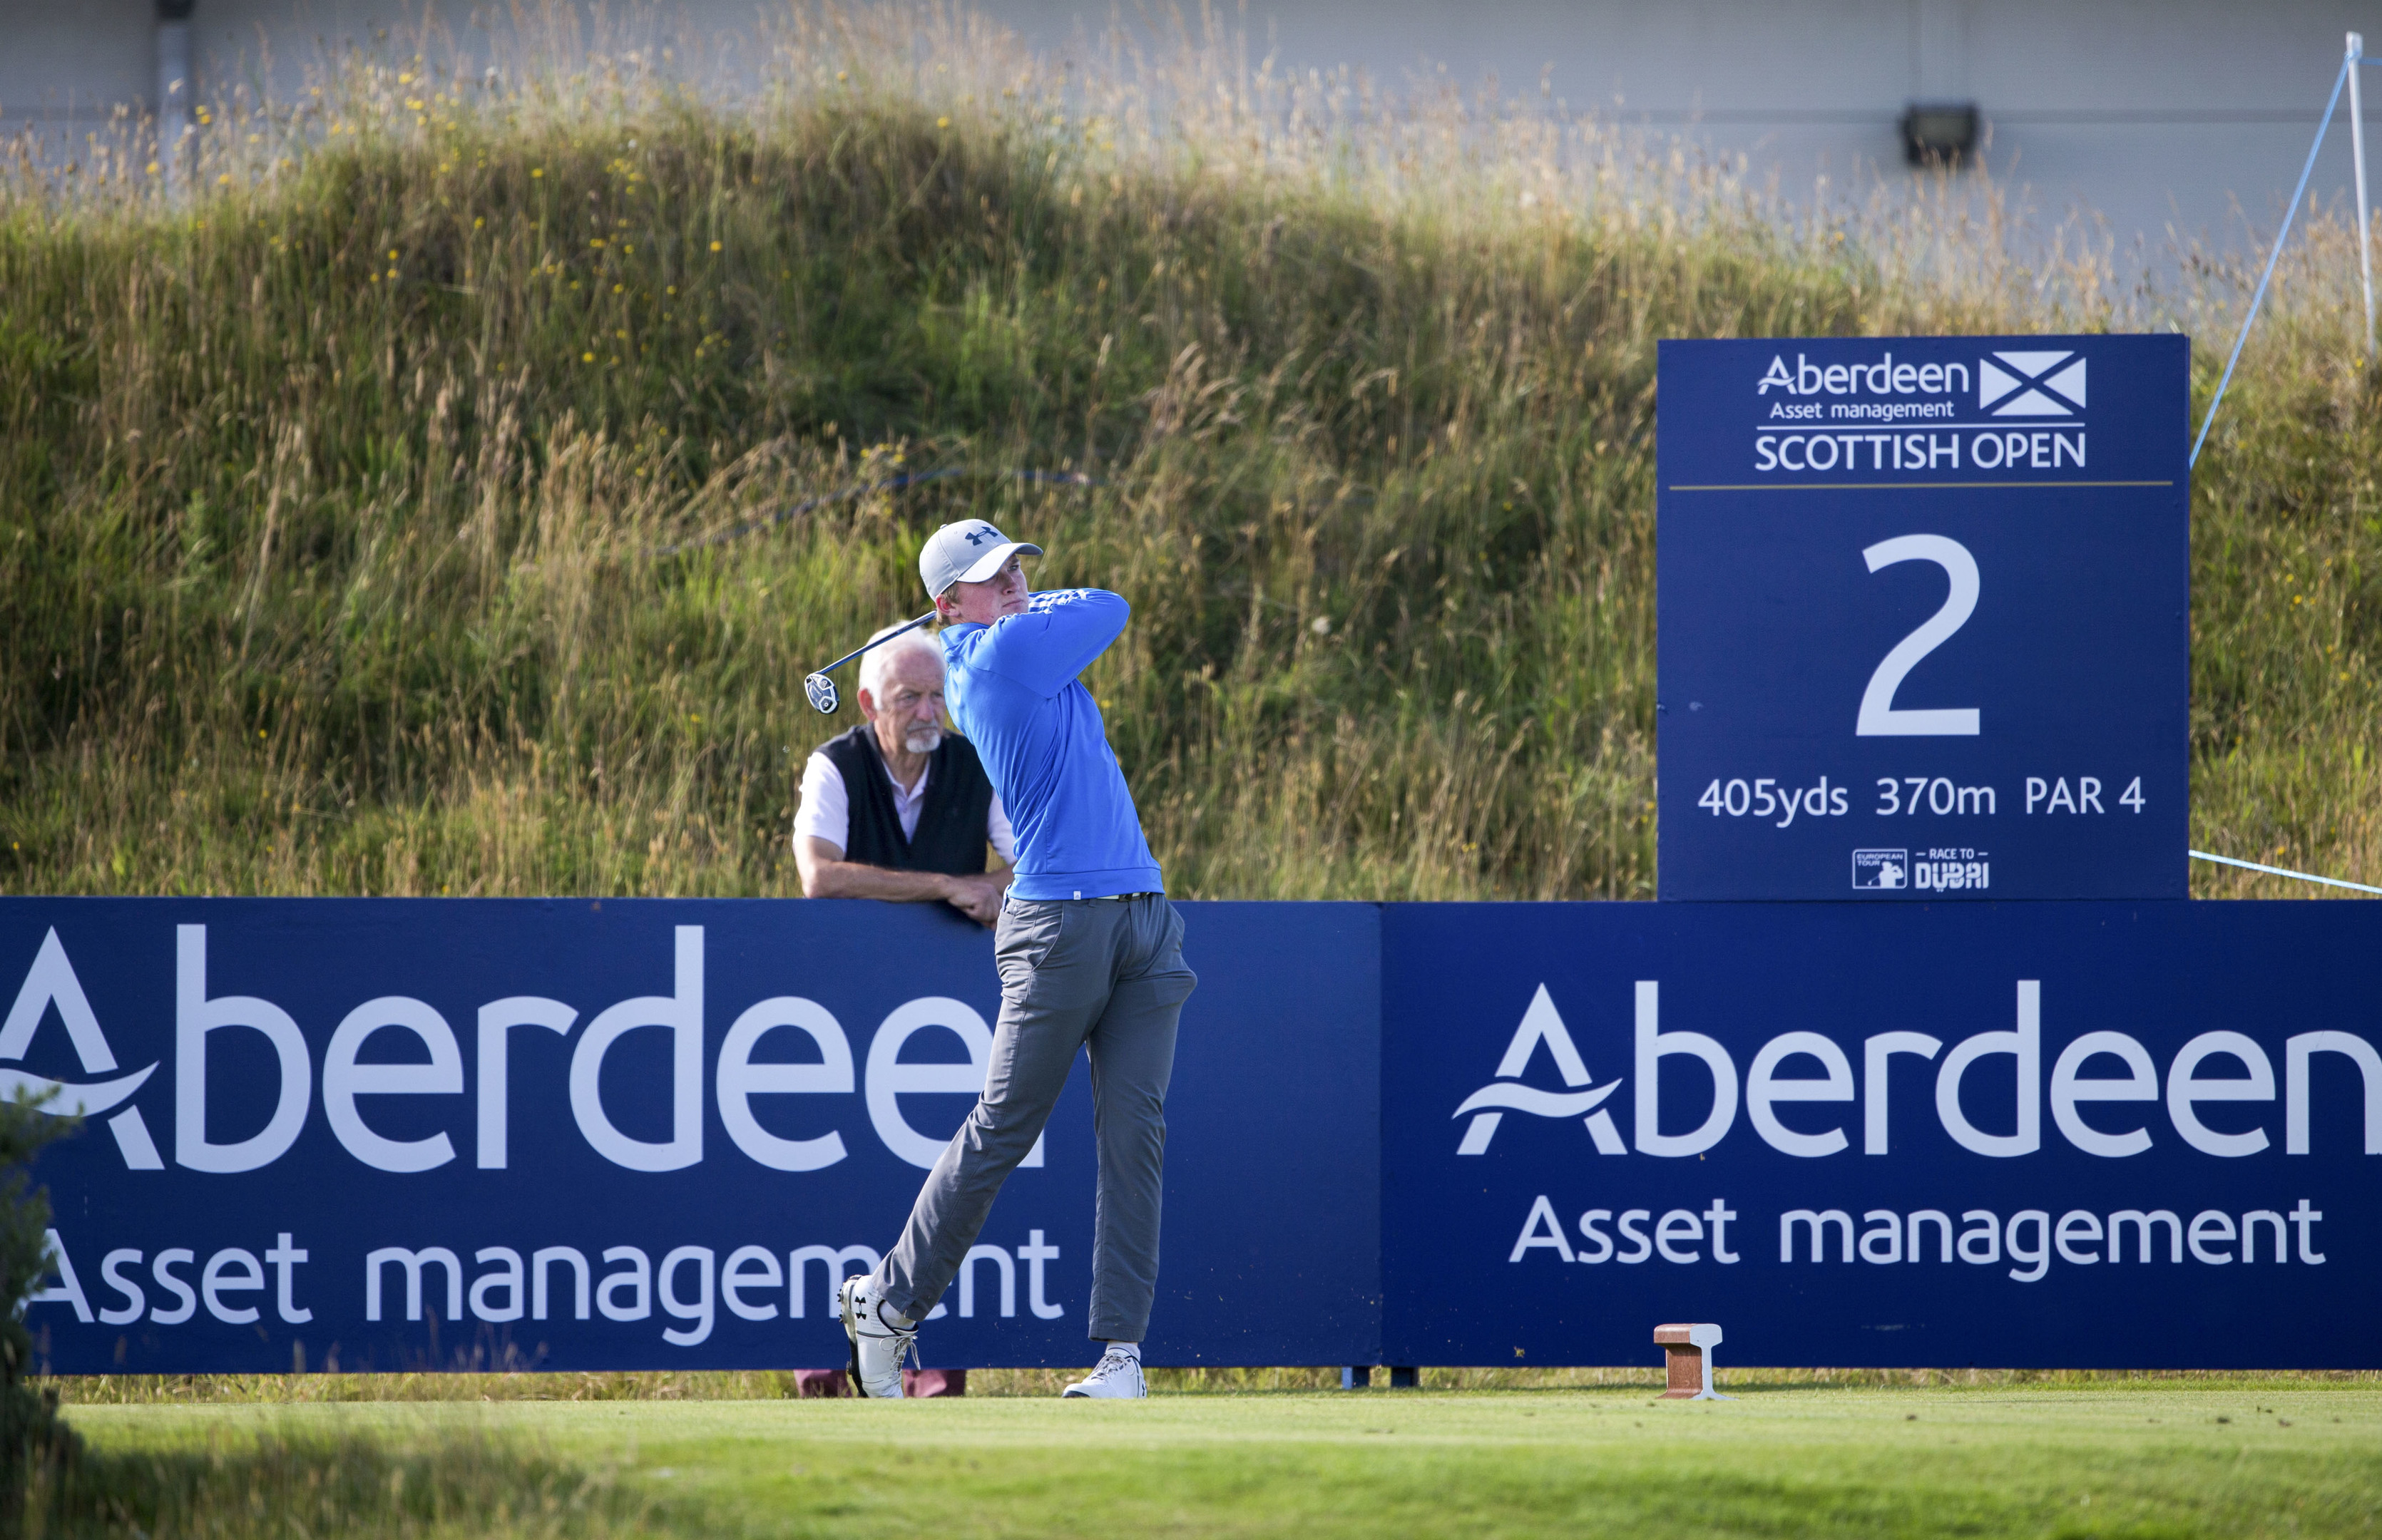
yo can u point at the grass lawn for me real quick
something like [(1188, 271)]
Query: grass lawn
[(2231, 1457)]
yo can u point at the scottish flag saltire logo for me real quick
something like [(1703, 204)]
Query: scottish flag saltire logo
[(2031, 384), (1487, 1106)]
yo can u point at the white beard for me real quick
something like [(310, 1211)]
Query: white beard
[(922, 740)]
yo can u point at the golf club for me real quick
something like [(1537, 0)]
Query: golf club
[(821, 690)]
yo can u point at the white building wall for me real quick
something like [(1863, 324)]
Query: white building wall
[(2164, 116)]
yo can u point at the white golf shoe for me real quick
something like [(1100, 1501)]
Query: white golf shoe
[(877, 1345), (1117, 1377)]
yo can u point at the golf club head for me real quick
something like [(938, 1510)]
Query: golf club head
[(821, 690)]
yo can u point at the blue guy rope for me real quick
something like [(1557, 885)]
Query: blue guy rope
[(2247, 321), (2280, 872), (2272, 257)]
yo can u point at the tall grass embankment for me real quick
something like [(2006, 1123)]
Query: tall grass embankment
[(447, 494)]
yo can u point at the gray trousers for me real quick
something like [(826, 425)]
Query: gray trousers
[(1091, 973)]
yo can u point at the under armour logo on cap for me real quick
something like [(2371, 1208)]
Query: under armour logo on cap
[(967, 552)]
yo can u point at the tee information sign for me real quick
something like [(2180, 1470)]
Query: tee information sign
[(1923, 608)]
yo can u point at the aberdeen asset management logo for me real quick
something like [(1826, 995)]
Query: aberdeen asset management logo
[(52, 981), (1487, 1106), (2032, 385)]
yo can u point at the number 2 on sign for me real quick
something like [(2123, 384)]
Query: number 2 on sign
[(1879, 715)]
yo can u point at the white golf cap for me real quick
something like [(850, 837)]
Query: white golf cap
[(967, 552)]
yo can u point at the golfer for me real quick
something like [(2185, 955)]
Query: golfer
[(1089, 951)]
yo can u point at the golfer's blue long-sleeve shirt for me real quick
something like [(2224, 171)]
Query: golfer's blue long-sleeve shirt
[(1014, 692)]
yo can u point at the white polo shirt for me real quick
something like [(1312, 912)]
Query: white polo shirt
[(825, 812)]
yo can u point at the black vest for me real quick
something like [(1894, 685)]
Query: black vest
[(950, 836)]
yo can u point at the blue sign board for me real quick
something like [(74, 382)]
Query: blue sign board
[(371, 1134), (1923, 617), (427, 1134), (2009, 1134)]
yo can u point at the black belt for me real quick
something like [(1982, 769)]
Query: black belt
[(1095, 898)]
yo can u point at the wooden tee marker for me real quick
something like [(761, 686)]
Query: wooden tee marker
[(1689, 1346)]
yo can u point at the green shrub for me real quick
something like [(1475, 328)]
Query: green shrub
[(295, 1482), (33, 1439)]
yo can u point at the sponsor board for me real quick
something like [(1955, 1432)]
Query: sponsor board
[(1927, 593), (427, 1134), (377, 1134), (2020, 1135)]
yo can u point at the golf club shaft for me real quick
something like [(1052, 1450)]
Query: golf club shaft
[(878, 642)]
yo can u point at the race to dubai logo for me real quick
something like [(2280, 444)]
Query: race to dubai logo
[(52, 981), (1487, 1106)]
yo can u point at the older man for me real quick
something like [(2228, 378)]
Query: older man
[(900, 807), (924, 813)]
